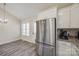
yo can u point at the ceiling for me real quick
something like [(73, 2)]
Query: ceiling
[(25, 10)]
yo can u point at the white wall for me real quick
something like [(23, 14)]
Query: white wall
[(32, 36), (10, 31), (50, 13)]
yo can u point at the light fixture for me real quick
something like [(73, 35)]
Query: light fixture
[(3, 19)]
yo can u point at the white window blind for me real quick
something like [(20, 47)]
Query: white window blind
[(26, 29), (35, 28), (23, 29)]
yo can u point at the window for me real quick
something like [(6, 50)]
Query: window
[(35, 28), (26, 29), (23, 29)]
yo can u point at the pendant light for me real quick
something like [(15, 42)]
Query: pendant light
[(4, 19)]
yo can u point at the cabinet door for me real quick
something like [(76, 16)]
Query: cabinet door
[(64, 18), (75, 16)]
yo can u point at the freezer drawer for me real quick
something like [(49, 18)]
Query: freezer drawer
[(39, 49), (48, 50), (45, 50)]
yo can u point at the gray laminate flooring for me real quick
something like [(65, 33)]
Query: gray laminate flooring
[(18, 48)]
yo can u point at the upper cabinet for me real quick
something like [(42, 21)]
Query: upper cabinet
[(68, 17), (64, 18), (75, 16)]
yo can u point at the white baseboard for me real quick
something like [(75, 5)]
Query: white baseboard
[(29, 39), (9, 40)]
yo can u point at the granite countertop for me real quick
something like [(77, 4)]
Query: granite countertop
[(68, 47)]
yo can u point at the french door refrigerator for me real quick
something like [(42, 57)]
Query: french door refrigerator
[(46, 37)]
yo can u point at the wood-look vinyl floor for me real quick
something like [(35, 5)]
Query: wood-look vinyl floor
[(18, 48)]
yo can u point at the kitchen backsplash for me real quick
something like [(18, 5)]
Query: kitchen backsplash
[(70, 33)]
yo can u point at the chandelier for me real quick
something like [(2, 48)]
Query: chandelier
[(3, 19)]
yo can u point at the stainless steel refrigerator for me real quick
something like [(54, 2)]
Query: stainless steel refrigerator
[(46, 37)]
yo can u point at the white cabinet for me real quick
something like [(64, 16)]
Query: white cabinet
[(64, 18), (75, 16), (69, 17)]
